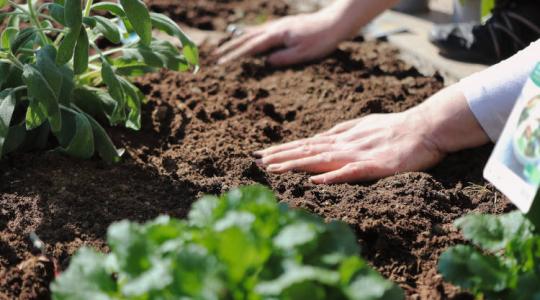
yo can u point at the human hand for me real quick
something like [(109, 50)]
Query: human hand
[(304, 37), (363, 149)]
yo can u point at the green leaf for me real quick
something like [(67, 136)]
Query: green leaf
[(134, 99), (108, 29), (45, 58), (80, 60), (295, 274), (111, 7), (23, 37), (86, 278), (164, 23), (68, 84), (470, 269), (495, 232), (67, 46), (76, 137), (202, 212), (35, 115), (295, 235), (160, 54), (8, 37), (39, 89), (96, 103), (7, 106), (15, 138), (73, 14), (57, 13), (103, 144), (3, 3), (130, 247), (139, 17), (116, 91), (4, 69), (373, 287)]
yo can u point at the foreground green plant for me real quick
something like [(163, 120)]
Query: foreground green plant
[(242, 245), (49, 82), (505, 264)]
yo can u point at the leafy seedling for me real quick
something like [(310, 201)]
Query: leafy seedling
[(55, 80), (502, 263), (242, 245)]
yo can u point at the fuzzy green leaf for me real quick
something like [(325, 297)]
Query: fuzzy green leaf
[(8, 36), (67, 46), (164, 23), (39, 89), (80, 60), (35, 115), (103, 144), (76, 137), (134, 99), (73, 14), (111, 7), (116, 91), (139, 17), (23, 37), (57, 13), (7, 106), (108, 29), (45, 58)]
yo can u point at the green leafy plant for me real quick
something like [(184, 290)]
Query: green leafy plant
[(505, 262), (55, 79), (242, 245)]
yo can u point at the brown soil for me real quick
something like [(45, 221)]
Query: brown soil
[(218, 14), (199, 131)]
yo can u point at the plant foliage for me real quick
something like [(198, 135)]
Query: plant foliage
[(55, 79), (242, 245), (505, 262)]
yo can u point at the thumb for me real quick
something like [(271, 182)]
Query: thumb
[(288, 56)]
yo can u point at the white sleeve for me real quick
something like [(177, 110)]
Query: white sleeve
[(491, 93)]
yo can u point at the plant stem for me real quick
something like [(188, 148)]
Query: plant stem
[(15, 61), (36, 23), (88, 7), (19, 88)]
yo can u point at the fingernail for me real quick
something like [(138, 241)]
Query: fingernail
[(259, 162), (258, 153), (317, 180)]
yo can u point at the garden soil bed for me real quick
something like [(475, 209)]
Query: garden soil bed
[(198, 135)]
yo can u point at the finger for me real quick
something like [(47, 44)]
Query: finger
[(339, 128), (291, 145), (296, 153), (286, 57), (323, 162), (234, 43), (257, 44), (353, 172)]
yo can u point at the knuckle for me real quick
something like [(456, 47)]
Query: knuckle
[(326, 157), (307, 149)]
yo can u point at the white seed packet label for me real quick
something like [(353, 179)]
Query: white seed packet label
[(514, 165)]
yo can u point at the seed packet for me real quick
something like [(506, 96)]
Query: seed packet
[(514, 166)]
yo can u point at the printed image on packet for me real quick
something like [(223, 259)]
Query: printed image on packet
[(514, 165)]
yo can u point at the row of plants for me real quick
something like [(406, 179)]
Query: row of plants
[(56, 80), (244, 245)]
